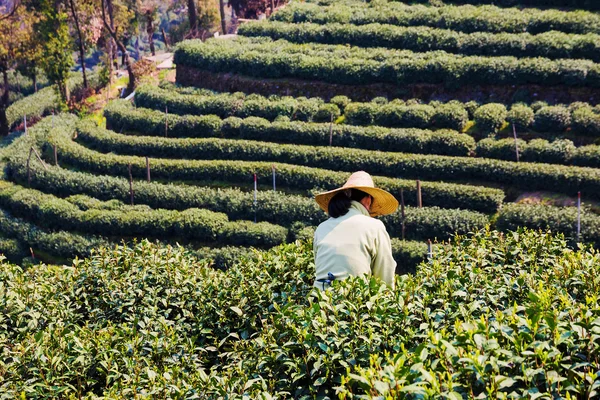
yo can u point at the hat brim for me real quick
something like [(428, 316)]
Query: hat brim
[(384, 203)]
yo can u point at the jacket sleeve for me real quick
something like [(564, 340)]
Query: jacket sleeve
[(383, 265)]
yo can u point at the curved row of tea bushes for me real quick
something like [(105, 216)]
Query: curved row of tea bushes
[(265, 58), (447, 195), (33, 106), (235, 105), (196, 224), (540, 150), (557, 219), (459, 18), (564, 179), (14, 250), (549, 44), (577, 4), (122, 117), (579, 118), (61, 244)]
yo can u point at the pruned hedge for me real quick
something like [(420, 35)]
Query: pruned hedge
[(557, 219), (440, 194), (192, 224), (236, 105), (579, 118), (551, 45), (564, 179), (582, 4), (468, 18), (33, 106), (265, 58), (122, 117), (540, 150)]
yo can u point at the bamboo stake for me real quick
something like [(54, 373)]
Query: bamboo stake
[(130, 185), (147, 169), (403, 212), (166, 120), (29, 167), (578, 216), (55, 155), (37, 155), (331, 131), (419, 198), (516, 143)]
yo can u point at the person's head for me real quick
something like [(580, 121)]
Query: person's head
[(359, 187), (340, 203)]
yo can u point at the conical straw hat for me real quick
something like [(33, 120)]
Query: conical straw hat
[(383, 202)]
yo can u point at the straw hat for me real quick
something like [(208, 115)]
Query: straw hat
[(383, 202)]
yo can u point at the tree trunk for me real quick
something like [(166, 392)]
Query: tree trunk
[(4, 128), (126, 59), (223, 22), (164, 35), (81, 45), (150, 31), (193, 15)]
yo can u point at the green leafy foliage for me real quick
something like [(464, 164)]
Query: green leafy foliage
[(121, 116), (520, 307), (525, 175), (265, 58), (485, 18), (551, 45)]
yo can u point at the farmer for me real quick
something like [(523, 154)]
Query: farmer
[(350, 242)]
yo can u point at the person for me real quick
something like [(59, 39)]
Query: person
[(351, 242)]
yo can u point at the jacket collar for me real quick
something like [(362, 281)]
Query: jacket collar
[(358, 207)]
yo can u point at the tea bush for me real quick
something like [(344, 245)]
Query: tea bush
[(265, 58), (525, 175), (469, 18), (551, 45), (492, 315), (235, 105), (240, 173), (120, 116), (490, 117), (191, 224), (554, 118)]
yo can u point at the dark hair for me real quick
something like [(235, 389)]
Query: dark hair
[(340, 203)]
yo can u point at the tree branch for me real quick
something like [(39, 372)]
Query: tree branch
[(14, 10)]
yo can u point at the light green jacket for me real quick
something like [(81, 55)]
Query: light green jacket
[(351, 245)]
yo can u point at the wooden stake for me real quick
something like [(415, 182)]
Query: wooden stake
[(166, 120), (429, 250), (402, 211), (37, 155), (274, 187), (516, 143), (130, 185), (55, 155), (578, 216), (419, 198), (29, 167), (331, 131), (147, 169)]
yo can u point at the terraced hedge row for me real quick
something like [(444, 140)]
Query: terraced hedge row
[(192, 224), (529, 176), (122, 117), (558, 219), (579, 118), (540, 150), (33, 106), (235, 105), (551, 45), (486, 18), (265, 58), (583, 4)]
